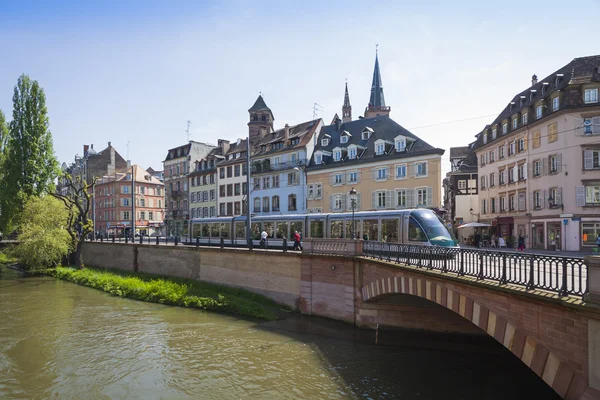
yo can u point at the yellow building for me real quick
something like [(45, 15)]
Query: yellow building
[(388, 166)]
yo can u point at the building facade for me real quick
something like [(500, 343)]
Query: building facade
[(461, 201), (113, 207), (177, 166), (538, 161), (278, 176), (387, 165), (203, 183), (231, 179)]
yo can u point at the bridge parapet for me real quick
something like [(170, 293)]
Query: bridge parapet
[(593, 264), (340, 247)]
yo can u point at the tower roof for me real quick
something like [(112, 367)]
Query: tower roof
[(377, 99), (259, 105), (346, 97)]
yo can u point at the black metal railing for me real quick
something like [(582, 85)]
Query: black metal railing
[(563, 275)]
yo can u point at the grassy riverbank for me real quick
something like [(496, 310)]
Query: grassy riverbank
[(172, 291)]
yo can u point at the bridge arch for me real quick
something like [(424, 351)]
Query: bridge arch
[(554, 370)]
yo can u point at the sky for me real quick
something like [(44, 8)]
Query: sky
[(134, 72)]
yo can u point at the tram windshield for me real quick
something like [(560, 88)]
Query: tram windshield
[(434, 227)]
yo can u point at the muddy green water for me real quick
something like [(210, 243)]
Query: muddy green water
[(63, 341)]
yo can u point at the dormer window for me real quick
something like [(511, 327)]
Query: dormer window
[(504, 128), (494, 133), (337, 154), (510, 106), (294, 141), (379, 148), (400, 145), (318, 158), (555, 103), (524, 118), (324, 142), (345, 136), (557, 80), (344, 139), (352, 152), (538, 112), (545, 88), (277, 145), (532, 94), (522, 101), (484, 137), (366, 133), (590, 96)]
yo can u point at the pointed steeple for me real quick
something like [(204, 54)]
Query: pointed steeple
[(347, 108), (261, 120), (377, 101)]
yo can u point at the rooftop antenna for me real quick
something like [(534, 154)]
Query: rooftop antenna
[(316, 108), (187, 130)]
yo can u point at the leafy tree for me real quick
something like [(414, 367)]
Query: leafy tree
[(30, 166), (77, 203), (44, 242), (3, 132)]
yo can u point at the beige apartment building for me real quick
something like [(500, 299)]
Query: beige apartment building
[(203, 184), (539, 161)]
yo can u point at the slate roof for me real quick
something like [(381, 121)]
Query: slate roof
[(459, 152), (234, 148), (259, 105), (579, 71), (215, 155), (383, 128), (172, 153), (303, 132)]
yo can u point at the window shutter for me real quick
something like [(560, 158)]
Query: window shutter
[(578, 126), (559, 162), (387, 173), (358, 176), (389, 196), (410, 198), (429, 197), (514, 174), (344, 180), (596, 125), (525, 143), (374, 174), (588, 157), (558, 199), (580, 196), (344, 202), (331, 179), (521, 200), (544, 168), (532, 201), (545, 194), (374, 200), (525, 166), (331, 203), (358, 202), (413, 170)]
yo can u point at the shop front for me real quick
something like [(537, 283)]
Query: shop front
[(505, 228), (554, 235)]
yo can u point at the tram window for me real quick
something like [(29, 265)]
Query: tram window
[(349, 228), (295, 226), (214, 230), (370, 229), (415, 233), (240, 230), (389, 230), (225, 230), (256, 230), (336, 230), (196, 230), (205, 230), (316, 229), (269, 227), (282, 229)]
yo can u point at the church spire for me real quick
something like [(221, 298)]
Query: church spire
[(347, 108), (377, 101)]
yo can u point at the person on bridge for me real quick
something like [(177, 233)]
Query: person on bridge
[(297, 241), (263, 239)]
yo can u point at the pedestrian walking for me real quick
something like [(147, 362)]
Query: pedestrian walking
[(521, 243), (297, 241), (263, 239)]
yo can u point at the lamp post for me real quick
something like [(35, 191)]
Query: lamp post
[(248, 191), (353, 202)]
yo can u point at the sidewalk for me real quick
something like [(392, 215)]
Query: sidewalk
[(535, 251)]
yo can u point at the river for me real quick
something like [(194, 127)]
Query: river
[(64, 341)]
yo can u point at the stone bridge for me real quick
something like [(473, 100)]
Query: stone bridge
[(557, 337)]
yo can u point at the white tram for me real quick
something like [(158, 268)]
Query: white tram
[(416, 226)]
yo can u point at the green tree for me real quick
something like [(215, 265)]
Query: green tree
[(3, 132), (77, 202), (30, 166), (44, 242)]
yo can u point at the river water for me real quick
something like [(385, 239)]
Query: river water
[(64, 341)]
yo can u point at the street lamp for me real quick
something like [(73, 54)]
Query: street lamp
[(353, 202)]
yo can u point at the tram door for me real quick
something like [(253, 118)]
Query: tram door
[(404, 221)]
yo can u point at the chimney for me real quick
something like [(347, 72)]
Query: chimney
[(533, 79), (112, 155), (224, 145), (128, 164), (85, 150), (108, 144), (286, 132), (338, 124)]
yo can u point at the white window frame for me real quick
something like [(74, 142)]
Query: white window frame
[(421, 194), (382, 174), (494, 133), (555, 103), (352, 152), (505, 128), (344, 139), (538, 112), (336, 181), (318, 158), (400, 145), (325, 142), (337, 154), (485, 138), (462, 184), (380, 148), (515, 123), (590, 96), (318, 191), (379, 196), (310, 193), (419, 169), (401, 193), (350, 174), (396, 169)]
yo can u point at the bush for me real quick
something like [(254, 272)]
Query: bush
[(43, 241), (177, 292)]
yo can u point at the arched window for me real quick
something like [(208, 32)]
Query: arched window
[(275, 203), (264, 117)]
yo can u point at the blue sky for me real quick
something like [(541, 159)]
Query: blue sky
[(136, 71)]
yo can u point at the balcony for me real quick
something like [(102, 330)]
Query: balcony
[(266, 166), (176, 193)]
